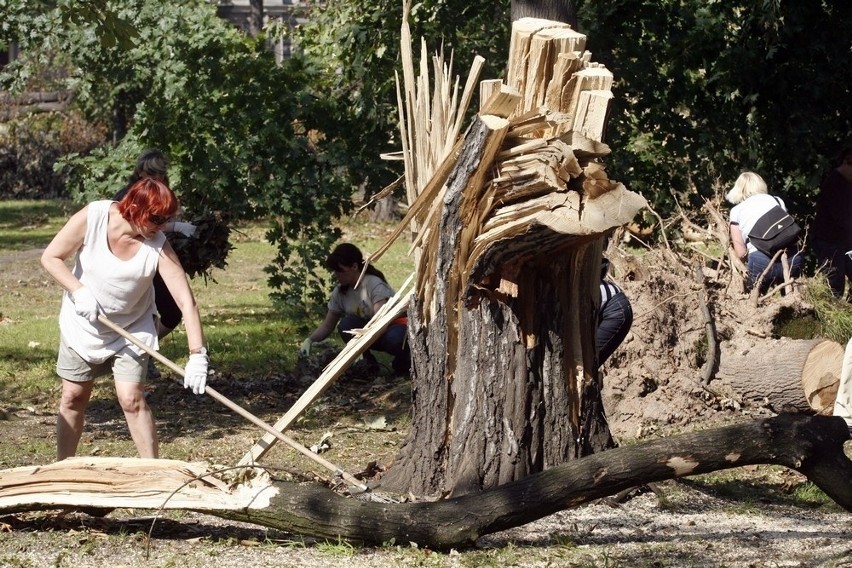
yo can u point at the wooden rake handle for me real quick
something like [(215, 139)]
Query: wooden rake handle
[(236, 408)]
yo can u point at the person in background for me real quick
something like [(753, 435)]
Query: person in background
[(831, 230), (751, 200), (615, 317), (152, 163), (119, 248), (353, 306)]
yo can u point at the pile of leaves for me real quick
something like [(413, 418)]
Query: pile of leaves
[(208, 248)]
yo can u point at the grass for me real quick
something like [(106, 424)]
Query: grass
[(247, 336), (834, 315), (764, 484), (29, 224), (253, 346)]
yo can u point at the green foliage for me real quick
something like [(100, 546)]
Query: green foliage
[(355, 48), (247, 138), (42, 28), (304, 288), (245, 135), (834, 315), (707, 89)]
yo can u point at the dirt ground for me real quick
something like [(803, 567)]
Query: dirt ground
[(654, 381), (652, 388)]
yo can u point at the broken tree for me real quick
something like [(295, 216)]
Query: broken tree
[(507, 407), (505, 382)]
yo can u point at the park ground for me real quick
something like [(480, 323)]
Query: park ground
[(756, 516)]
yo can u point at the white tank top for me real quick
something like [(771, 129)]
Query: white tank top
[(123, 288)]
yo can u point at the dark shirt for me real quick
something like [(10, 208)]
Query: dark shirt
[(833, 220), (121, 193)]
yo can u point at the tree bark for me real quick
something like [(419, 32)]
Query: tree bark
[(788, 375), (505, 381), (811, 445), (255, 17), (556, 10)]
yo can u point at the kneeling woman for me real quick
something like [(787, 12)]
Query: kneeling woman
[(353, 306), (751, 200)]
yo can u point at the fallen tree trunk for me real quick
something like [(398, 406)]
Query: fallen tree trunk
[(788, 375), (810, 445)]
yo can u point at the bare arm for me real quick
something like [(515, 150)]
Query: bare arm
[(326, 327), (175, 278), (67, 241), (738, 242), (378, 305)]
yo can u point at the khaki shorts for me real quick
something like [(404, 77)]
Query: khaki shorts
[(125, 366)]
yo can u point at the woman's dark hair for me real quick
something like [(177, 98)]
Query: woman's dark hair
[(347, 254), (151, 163)]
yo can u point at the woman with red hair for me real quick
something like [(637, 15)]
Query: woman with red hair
[(119, 248)]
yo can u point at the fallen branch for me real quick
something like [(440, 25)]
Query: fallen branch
[(812, 445), (709, 329)]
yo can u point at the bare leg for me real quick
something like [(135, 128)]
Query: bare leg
[(140, 419), (71, 416)]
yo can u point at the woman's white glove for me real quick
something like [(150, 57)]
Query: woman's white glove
[(305, 349), (184, 228), (195, 373), (85, 304)]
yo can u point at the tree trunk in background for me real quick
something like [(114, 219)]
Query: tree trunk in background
[(255, 19), (556, 10)]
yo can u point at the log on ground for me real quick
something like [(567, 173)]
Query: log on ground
[(786, 374), (811, 445)]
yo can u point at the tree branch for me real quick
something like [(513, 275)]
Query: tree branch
[(812, 445)]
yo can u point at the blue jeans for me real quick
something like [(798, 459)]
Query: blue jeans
[(757, 263), (393, 341), (613, 325)]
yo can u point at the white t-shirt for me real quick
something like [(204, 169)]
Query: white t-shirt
[(124, 290), (746, 214), (360, 301)]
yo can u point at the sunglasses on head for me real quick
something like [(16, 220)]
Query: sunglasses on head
[(157, 219)]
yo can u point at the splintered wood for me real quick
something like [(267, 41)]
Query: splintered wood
[(550, 68), (543, 180), (129, 482)]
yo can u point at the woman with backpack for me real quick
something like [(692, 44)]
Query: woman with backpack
[(752, 201)]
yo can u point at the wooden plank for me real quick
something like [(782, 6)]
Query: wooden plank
[(566, 65), (467, 96), (592, 114), (128, 482), (488, 89), (390, 311)]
